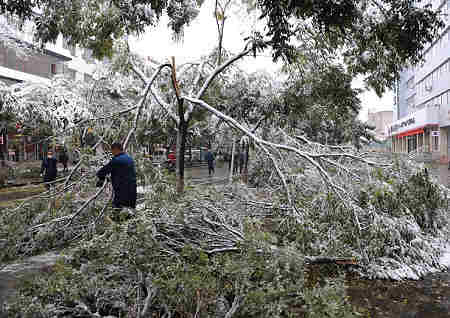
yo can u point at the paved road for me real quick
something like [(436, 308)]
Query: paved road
[(200, 175)]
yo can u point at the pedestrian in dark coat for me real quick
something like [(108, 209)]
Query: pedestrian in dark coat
[(123, 177), (241, 162), (64, 158), (49, 169), (209, 157)]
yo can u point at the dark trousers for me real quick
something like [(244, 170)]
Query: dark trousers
[(210, 169)]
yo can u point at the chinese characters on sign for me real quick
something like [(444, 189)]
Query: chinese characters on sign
[(405, 123)]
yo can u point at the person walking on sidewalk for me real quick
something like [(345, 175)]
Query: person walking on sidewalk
[(49, 169), (123, 178), (209, 157)]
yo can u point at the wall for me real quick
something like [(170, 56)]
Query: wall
[(411, 92), (33, 68), (443, 144), (380, 120)]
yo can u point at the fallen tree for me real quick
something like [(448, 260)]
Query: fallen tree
[(235, 246)]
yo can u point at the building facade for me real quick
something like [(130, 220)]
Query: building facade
[(34, 66), (380, 120), (56, 58), (423, 98)]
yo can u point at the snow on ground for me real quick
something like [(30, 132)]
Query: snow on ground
[(144, 189)]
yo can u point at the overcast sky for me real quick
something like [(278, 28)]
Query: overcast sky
[(201, 37)]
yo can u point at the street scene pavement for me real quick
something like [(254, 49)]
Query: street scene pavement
[(200, 174)]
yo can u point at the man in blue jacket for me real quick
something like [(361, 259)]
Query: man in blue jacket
[(123, 177)]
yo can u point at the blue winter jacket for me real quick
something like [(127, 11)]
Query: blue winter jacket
[(123, 179)]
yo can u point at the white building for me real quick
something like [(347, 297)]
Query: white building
[(380, 119), (20, 64), (56, 58), (423, 98)]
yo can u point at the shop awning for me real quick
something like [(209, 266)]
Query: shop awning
[(411, 133), (409, 124)]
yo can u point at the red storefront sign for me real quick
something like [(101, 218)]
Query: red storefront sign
[(411, 133)]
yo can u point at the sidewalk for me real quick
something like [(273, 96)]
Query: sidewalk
[(202, 172)]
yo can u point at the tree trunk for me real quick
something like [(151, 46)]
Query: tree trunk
[(181, 147), (245, 176)]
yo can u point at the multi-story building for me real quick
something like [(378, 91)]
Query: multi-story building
[(57, 58), (380, 120), (18, 63), (423, 98)]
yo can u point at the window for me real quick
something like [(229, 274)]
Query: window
[(73, 51), (410, 102), (436, 101), (87, 55), (410, 83), (3, 56), (428, 83), (65, 44), (435, 143), (72, 74)]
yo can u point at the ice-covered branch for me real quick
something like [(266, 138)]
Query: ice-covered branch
[(220, 69), (155, 95), (280, 173), (165, 106), (141, 104), (247, 132), (190, 106), (183, 68)]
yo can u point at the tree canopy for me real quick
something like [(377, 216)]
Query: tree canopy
[(376, 37)]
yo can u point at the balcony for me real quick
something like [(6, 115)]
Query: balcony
[(18, 76)]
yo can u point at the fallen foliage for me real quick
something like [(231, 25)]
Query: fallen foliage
[(229, 250)]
